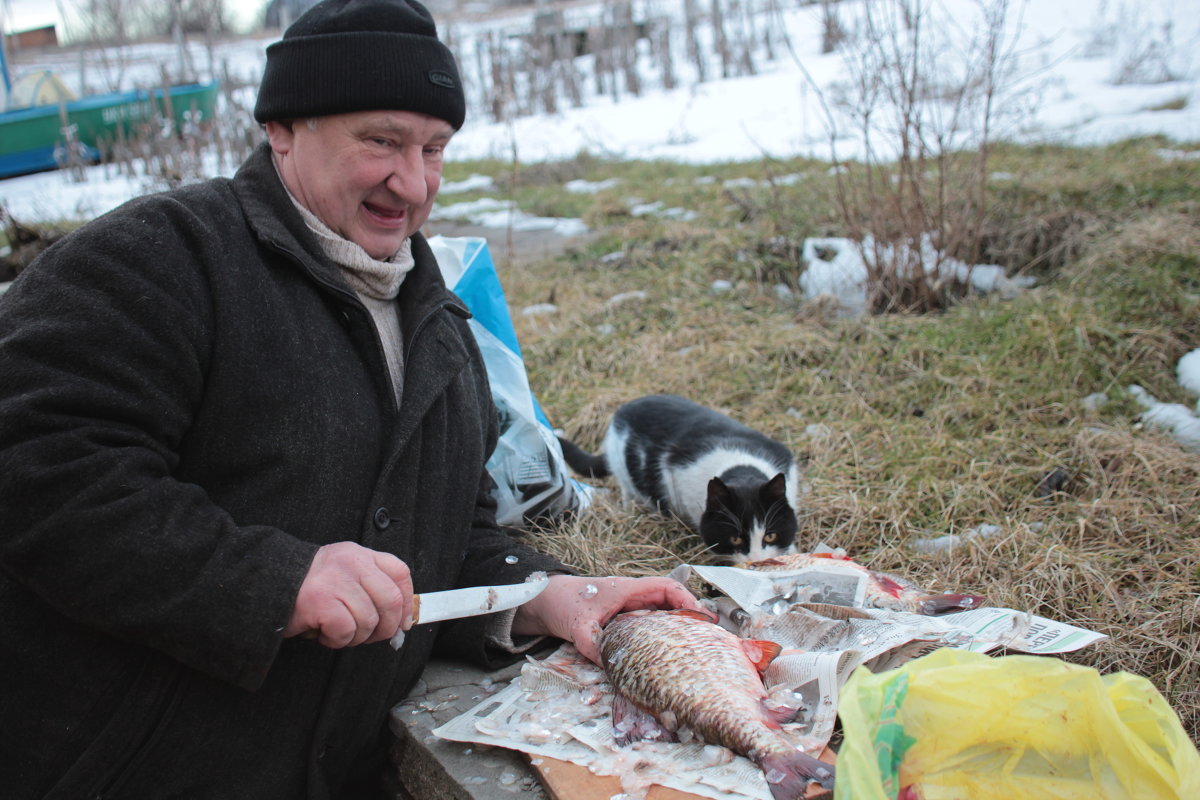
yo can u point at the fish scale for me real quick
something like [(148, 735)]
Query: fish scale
[(682, 663), (634, 645)]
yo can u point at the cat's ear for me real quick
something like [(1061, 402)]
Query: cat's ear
[(719, 494), (774, 490)]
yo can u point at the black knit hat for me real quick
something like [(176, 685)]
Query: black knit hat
[(361, 55)]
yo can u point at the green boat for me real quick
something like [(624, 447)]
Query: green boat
[(36, 138)]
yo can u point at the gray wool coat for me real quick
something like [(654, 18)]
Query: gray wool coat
[(192, 401)]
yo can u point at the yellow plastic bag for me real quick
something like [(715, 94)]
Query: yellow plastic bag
[(956, 725)]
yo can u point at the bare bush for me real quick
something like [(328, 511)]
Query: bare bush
[(176, 146), (921, 100), (1144, 49), (1146, 57), (25, 243)]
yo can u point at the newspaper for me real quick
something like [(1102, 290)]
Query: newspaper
[(781, 597), (561, 705)]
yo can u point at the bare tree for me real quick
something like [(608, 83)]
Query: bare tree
[(720, 40), (625, 44), (112, 26), (192, 17), (661, 45), (832, 32), (695, 54)]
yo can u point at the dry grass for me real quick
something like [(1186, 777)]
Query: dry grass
[(927, 424), (612, 539)]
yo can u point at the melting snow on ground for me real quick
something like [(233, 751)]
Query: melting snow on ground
[(489, 212), (838, 268), (1178, 420)]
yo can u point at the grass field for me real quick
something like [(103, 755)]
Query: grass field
[(910, 425)]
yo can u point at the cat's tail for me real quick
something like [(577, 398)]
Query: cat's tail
[(583, 462)]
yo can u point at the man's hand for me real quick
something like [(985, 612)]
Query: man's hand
[(353, 595), (577, 608)]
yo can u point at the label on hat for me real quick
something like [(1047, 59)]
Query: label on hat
[(442, 78)]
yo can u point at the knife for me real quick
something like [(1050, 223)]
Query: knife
[(474, 600), (470, 602)]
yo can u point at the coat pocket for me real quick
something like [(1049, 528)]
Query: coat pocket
[(126, 738)]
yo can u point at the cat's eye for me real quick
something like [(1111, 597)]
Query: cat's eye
[(737, 541), (770, 538)]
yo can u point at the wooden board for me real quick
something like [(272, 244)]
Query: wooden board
[(566, 781)]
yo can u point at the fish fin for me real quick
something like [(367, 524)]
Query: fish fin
[(633, 723), (934, 604), (789, 773), (760, 652), (691, 612), (780, 714)]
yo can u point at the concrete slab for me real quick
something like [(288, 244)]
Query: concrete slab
[(429, 768)]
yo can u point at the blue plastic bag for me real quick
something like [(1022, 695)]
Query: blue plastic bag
[(531, 475)]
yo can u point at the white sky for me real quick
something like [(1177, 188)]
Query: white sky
[(21, 15)]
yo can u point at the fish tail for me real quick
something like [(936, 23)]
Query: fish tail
[(789, 772), (932, 605)]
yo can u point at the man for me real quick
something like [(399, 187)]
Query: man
[(240, 424)]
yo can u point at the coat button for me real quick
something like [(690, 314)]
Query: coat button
[(382, 518)]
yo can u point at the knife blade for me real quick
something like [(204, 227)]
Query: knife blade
[(469, 602), (474, 600)]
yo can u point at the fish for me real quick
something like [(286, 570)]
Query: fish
[(885, 591), (676, 668)]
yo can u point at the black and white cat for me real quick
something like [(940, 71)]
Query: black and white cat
[(738, 488)]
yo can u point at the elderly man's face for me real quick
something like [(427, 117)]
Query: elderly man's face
[(371, 176)]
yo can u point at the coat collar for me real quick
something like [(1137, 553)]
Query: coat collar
[(435, 348), (277, 223)]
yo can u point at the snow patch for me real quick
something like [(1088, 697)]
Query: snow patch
[(590, 187), (838, 268), (488, 212), (474, 183), (1171, 418), (1188, 371)]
